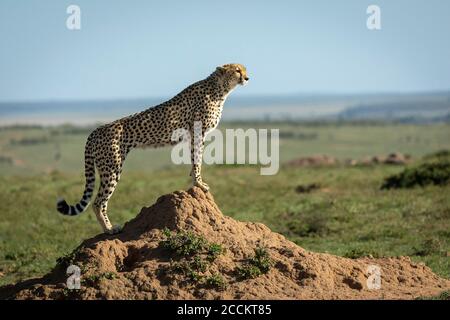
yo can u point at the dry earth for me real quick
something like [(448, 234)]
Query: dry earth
[(134, 265)]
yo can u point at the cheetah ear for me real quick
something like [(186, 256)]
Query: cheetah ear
[(220, 70)]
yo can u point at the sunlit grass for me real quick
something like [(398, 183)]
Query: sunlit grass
[(348, 215)]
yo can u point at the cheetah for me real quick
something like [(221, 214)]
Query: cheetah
[(108, 145)]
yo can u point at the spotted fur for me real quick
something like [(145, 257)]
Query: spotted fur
[(108, 146)]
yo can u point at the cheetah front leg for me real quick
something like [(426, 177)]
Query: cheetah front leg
[(197, 144)]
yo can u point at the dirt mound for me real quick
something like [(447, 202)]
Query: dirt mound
[(207, 255), (393, 158), (313, 161), (324, 160)]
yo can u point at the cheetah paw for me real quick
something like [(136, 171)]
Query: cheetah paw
[(114, 230), (201, 185)]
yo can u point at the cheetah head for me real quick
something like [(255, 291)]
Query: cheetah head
[(235, 73)]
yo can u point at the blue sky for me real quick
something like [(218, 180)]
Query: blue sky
[(133, 49)]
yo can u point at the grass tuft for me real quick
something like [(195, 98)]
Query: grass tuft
[(445, 295)]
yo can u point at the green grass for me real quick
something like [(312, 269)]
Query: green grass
[(64, 147), (348, 215), (445, 295)]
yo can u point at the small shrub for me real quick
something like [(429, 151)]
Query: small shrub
[(190, 269), (259, 264), (434, 173), (217, 281), (261, 259), (199, 264), (109, 275), (91, 279), (194, 276), (214, 250), (444, 153), (359, 253), (196, 256), (178, 267), (96, 277), (184, 243), (66, 260), (248, 271), (445, 295), (307, 188)]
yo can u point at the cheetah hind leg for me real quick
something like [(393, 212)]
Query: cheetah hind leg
[(202, 185), (102, 218), (101, 205), (197, 179)]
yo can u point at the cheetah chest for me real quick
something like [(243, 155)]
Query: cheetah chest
[(215, 113)]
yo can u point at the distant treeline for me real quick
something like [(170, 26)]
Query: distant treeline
[(21, 127), (71, 130), (28, 141), (53, 130), (78, 129), (335, 122), (284, 134), (49, 133)]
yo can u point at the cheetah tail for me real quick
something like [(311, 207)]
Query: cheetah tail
[(89, 170)]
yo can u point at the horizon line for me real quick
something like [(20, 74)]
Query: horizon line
[(245, 96)]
